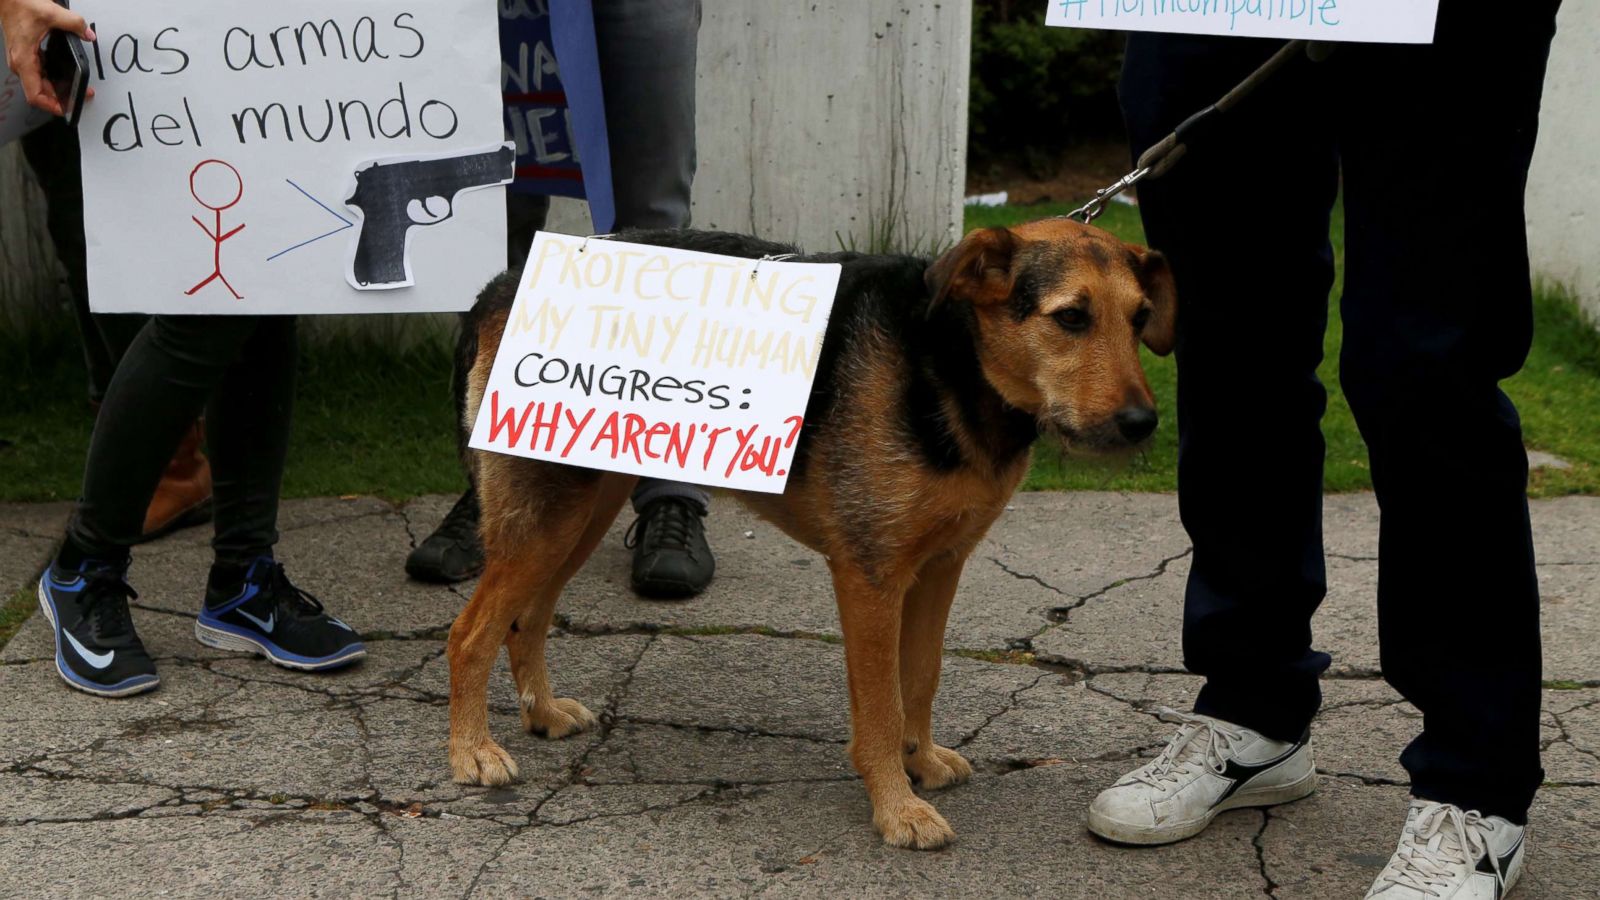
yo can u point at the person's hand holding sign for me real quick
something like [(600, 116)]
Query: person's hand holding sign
[(26, 23)]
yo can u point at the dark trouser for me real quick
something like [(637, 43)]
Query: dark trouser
[(647, 53), (1433, 144), (240, 371), (52, 152), (153, 377)]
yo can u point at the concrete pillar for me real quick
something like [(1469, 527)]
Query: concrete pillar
[(830, 123), (1564, 185)]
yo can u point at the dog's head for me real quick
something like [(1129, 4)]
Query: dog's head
[(1060, 311)]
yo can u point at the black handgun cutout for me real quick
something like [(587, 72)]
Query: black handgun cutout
[(393, 195)]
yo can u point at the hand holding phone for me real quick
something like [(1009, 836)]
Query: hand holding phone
[(26, 24), (66, 65)]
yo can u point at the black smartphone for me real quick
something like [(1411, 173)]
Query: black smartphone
[(66, 64)]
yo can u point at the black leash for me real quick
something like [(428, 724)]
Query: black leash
[(1159, 159)]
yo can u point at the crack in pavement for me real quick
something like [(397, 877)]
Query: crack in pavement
[(1270, 887), (1061, 614), (743, 730), (1010, 704), (1027, 577), (575, 771)]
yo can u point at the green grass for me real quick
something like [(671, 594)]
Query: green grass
[(15, 610), (366, 421), (379, 423)]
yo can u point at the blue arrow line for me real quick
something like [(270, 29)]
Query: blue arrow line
[(347, 223)]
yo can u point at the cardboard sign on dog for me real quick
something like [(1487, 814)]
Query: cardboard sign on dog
[(657, 361), (1373, 21), (242, 157)]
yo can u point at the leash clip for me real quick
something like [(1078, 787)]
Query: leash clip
[(780, 257), (596, 237), (1092, 210)]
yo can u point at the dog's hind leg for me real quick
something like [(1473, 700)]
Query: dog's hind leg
[(533, 518), (869, 614), (543, 713), (922, 625)]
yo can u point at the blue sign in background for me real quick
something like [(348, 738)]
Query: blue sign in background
[(555, 112)]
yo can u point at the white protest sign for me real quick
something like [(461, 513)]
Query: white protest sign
[(293, 156), (17, 118), (658, 362), (1375, 21)]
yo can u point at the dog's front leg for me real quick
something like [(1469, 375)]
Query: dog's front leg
[(869, 614), (474, 643), (927, 606), (543, 713)]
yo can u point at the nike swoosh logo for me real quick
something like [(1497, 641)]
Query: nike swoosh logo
[(264, 626), (97, 660)]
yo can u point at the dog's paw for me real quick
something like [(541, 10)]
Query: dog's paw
[(913, 823), (558, 718), (487, 764), (934, 767)]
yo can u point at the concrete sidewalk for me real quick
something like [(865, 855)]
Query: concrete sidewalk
[(720, 768)]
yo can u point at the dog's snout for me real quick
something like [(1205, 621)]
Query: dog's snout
[(1136, 422)]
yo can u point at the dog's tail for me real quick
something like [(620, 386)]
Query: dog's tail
[(496, 297)]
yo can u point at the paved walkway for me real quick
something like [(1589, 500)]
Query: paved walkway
[(720, 767)]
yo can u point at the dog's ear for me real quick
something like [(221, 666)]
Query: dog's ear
[(979, 269), (1155, 277)]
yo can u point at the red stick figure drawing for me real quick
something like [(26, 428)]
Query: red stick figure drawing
[(212, 190)]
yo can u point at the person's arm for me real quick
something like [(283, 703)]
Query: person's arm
[(25, 23)]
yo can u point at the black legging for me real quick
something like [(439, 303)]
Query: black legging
[(240, 371)]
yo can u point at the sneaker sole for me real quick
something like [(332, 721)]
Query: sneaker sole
[(667, 590), (227, 640), (430, 575), (123, 690), (1147, 836)]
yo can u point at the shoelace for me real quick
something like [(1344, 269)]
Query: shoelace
[(666, 524), (1199, 740), (287, 596), (105, 600), (1432, 855)]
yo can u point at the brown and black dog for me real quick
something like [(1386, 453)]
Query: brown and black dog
[(933, 382)]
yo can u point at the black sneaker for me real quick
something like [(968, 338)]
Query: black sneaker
[(269, 616), (97, 650), (671, 559), (453, 552)]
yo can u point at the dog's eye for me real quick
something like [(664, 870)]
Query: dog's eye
[(1141, 319), (1072, 318)]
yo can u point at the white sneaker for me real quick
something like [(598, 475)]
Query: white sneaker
[(1209, 767), (1446, 852)]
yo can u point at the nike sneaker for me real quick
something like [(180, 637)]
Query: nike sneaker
[(1448, 852), (97, 650), (269, 616), (1210, 766)]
